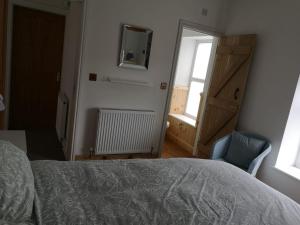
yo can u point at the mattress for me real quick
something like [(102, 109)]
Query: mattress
[(173, 191)]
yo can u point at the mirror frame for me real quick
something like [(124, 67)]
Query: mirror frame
[(122, 62)]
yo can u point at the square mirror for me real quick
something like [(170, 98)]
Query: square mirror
[(135, 47)]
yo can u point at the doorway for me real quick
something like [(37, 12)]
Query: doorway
[(222, 94), (37, 49), (192, 78)]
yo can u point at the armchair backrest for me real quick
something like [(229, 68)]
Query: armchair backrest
[(255, 164), (221, 146), (257, 136)]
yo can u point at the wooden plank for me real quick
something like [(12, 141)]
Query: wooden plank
[(239, 40), (231, 73), (182, 133), (223, 104), (217, 129), (233, 50), (227, 89), (179, 99), (204, 150)]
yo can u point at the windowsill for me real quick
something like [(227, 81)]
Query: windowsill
[(292, 171), (184, 119)]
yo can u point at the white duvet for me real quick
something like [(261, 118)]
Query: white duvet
[(152, 192)]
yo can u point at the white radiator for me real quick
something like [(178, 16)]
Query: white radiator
[(125, 131)]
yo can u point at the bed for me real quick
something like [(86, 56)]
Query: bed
[(135, 192)]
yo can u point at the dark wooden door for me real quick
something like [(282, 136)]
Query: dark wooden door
[(3, 15), (36, 65), (226, 91)]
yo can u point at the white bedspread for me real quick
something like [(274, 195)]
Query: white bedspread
[(175, 191)]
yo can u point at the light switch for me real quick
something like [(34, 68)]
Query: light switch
[(93, 77), (204, 12), (163, 85)]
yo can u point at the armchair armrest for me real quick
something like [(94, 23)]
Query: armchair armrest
[(255, 164), (220, 148)]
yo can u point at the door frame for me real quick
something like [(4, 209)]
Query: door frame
[(207, 84), (9, 37), (196, 27), (74, 107)]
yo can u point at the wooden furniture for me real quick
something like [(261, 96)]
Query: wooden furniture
[(226, 91), (181, 133), (16, 137), (179, 99)]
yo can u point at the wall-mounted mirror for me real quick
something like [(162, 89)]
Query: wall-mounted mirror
[(135, 47)]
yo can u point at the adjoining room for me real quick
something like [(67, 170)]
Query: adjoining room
[(196, 53)]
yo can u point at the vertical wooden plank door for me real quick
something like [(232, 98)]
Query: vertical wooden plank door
[(3, 15), (37, 49), (226, 91)]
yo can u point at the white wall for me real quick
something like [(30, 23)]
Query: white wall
[(71, 49), (101, 50), (273, 76), (70, 65), (185, 62)]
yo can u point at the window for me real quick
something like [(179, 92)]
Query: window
[(288, 159), (197, 79), (297, 164)]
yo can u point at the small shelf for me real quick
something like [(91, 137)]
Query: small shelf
[(126, 81)]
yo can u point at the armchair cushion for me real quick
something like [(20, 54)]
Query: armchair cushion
[(243, 150)]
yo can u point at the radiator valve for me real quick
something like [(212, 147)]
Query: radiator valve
[(92, 152)]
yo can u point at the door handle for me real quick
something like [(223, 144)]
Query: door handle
[(236, 94)]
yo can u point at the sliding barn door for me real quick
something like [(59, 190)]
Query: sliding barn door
[(226, 91), (3, 13)]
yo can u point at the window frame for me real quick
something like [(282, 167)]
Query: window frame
[(288, 159), (297, 162), (192, 79)]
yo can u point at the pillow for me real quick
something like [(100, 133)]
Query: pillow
[(16, 184), (243, 150)]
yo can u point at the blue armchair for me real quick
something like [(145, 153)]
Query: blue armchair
[(222, 147)]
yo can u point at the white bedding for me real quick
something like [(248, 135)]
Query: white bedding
[(174, 191)]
